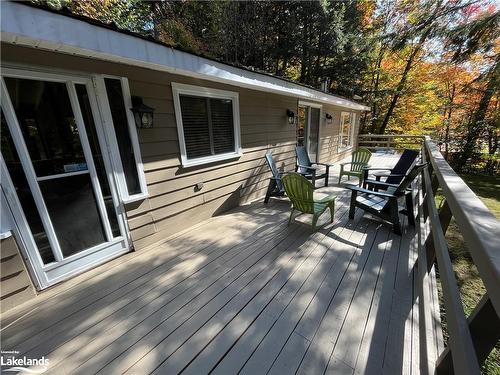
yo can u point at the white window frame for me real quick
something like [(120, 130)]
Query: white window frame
[(206, 92), (352, 118), (107, 119)]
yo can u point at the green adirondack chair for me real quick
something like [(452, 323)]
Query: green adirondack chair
[(360, 159), (301, 193)]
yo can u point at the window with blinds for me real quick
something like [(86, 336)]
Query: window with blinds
[(207, 123)]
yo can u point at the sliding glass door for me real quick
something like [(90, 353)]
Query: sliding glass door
[(308, 129), (51, 148)]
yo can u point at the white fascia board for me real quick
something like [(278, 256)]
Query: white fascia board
[(32, 27)]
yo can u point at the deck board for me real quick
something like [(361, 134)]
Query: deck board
[(241, 292), (280, 341), (170, 317), (240, 259), (115, 303), (371, 352), (260, 290), (318, 355), (272, 323), (164, 257)]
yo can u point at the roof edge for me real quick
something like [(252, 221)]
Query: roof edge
[(50, 30)]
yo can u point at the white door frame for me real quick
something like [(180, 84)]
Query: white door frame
[(101, 98), (305, 104), (21, 226), (64, 267)]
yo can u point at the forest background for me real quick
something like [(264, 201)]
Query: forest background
[(423, 66)]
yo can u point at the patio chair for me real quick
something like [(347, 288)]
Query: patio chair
[(385, 204), (307, 169), (275, 187), (396, 174), (301, 194), (360, 159)]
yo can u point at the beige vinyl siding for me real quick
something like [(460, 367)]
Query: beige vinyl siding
[(174, 203), (329, 136), (15, 283)]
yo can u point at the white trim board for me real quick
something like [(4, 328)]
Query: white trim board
[(5, 235), (34, 27), (309, 104)]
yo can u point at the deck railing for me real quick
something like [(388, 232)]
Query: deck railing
[(472, 338), (389, 141)]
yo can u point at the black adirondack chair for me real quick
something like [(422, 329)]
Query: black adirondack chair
[(385, 204), (275, 188), (310, 170), (396, 174)]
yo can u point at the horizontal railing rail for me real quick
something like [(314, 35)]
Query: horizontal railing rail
[(390, 141), (470, 339)]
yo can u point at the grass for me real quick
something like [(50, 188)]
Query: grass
[(488, 189), (469, 282)]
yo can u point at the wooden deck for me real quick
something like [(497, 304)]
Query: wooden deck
[(239, 293)]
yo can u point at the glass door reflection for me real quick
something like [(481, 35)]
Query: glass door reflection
[(308, 126)]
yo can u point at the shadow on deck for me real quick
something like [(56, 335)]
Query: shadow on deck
[(241, 292)]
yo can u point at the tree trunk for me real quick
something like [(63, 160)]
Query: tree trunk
[(477, 124), (284, 64), (303, 63), (375, 88), (451, 98), (402, 82), (493, 141), (428, 27)]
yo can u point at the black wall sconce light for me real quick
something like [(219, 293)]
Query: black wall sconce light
[(329, 118), (291, 117), (143, 114)]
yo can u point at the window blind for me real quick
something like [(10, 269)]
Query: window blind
[(208, 125), (222, 125), (195, 124)]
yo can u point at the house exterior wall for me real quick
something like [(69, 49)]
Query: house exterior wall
[(329, 136), (15, 283), (173, 203)]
